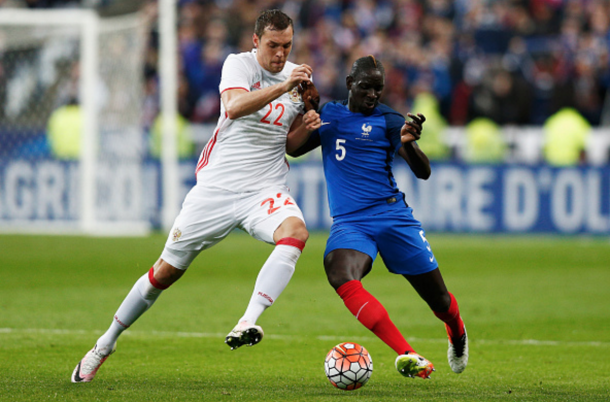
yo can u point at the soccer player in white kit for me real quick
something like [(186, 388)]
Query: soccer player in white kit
[(241, 183)]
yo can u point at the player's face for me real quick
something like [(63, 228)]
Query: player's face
[(273, 48), (365, 90)]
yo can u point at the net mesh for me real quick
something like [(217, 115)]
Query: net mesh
[(41, 123)]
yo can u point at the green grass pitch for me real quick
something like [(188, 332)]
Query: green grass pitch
[(536, 308)]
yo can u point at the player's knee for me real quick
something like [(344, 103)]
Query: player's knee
[(165, 273), (301, 233), (337, 277), (440, 303), (294, 228), (298, 230)]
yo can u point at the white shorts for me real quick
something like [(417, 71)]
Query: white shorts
[(209, 215)]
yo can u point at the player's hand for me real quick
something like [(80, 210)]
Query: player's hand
[(411, 131), (312, 120), (309, 94), (300, 74)]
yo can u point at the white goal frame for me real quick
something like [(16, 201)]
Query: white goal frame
[(90, 28)]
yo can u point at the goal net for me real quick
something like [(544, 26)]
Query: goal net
[(72, 148)]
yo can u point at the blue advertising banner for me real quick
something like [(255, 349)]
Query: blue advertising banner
[(456, 198), (471, 198)]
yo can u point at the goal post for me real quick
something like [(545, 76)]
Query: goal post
[(52, 59)]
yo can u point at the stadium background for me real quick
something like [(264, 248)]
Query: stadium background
[(535, 305), (490, 76)]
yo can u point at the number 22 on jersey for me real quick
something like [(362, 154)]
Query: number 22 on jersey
[(267, 117)]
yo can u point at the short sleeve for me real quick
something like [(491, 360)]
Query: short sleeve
[(235, 74), (394, 123)]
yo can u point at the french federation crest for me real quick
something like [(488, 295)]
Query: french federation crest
[(366, 129), (294, 95)]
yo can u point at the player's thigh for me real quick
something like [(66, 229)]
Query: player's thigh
[(351, 235), (261, 214), (343, 265), (205, 219), (404, 248)]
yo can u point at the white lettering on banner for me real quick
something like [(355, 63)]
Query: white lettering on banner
[(521, 199), (449, 190), (119, 191), (19, 190), (48, 190), (456, 198), (50, 184), (478, 198), (451, 198), (596, 222), (567, 201)]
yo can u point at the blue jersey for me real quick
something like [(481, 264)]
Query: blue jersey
[(358, 153)]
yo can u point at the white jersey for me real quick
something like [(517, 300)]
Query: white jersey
[(249, 153)]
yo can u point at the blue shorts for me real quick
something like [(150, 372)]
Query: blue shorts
[(395, 234)]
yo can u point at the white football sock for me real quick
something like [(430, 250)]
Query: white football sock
[(138, 300), (272, 280)]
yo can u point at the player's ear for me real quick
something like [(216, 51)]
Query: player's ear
[(255, 40), (349, 81)]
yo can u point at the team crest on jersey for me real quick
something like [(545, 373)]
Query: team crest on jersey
[(294, 95), (176, 234), (366, 129)]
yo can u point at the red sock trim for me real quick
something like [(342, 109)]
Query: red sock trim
[(120, 322), (349, 288), (291, 241), (154, 282)]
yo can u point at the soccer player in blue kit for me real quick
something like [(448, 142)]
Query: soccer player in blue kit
[(359, 138)]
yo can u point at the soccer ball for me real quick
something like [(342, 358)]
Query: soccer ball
[(348, 366)]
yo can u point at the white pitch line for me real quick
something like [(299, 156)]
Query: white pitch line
[(180, 334)]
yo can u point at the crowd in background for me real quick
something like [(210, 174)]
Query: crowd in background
[(481, 64), (515, 62)]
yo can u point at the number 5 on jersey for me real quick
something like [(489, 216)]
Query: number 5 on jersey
[(340, 149)]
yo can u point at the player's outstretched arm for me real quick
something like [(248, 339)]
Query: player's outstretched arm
[(410, 151), (239, 102), (300, 132)]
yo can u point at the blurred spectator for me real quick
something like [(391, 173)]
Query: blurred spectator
[(64, 131), (432, 141), (565, 136), (503, 98), (185, 144), (513, 62), (484, 142)]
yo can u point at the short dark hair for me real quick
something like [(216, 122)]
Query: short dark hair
[(275, 20), (365, 64)]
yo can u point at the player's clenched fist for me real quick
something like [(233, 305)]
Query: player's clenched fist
[(311, 120), (310, 96), (411, 131), (300, 74)]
